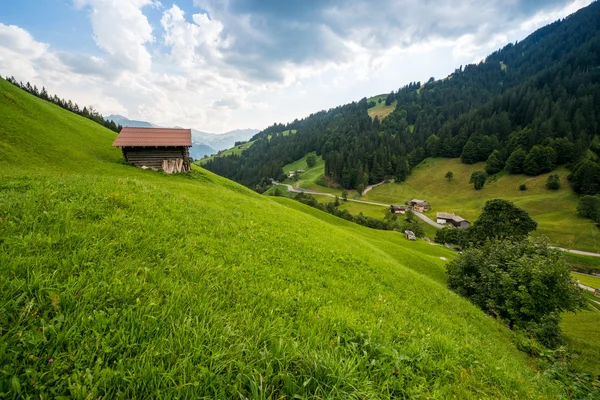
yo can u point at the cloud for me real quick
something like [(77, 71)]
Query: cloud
[(267, 37), (227, 64), (122, 31)]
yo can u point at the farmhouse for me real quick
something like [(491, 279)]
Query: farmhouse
[(397, 210), (419, 205), (459, 222), (443, 217), (453, 220), (156, 148)]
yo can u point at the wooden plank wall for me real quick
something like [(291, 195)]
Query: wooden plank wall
[(151, 157)]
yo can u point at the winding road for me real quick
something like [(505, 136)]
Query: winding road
[(424, 218), (292, 189)]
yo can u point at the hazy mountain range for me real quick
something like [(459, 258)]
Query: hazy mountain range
[(204, 143)]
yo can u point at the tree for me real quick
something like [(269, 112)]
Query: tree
[(553, 182), (449, 175), (539, 160), (586, 178), (360, 189), (337, 202), (523, 187), (501, 219), (514, 164), (528, 285), (345, 195), (478, 179), (589, 207), (311, 161), (494, 163)]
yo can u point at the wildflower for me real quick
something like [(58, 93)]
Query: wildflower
[(51, 361)]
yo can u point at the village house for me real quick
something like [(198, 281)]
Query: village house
[(443, 218), (453, 220), (158, 149), (397, 210), (419, 205)]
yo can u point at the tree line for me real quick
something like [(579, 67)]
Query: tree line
[(86, 112)]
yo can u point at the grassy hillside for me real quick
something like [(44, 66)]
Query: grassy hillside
[(119, 282), (381, 110), (555, 211)]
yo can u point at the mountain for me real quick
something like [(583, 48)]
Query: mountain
[(528, 108), (124, 121), (199, 288), (225, 140), (199, 150)]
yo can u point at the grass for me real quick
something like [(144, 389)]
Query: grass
[(587, 280), (555, 211), (117, 282), (381, 110), (582, 334), (585, 263)]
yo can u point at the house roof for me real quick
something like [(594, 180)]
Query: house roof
[(420, 202), (443, 215), (456, 218), (153, 137)]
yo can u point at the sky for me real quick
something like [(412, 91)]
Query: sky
[(219, 65)]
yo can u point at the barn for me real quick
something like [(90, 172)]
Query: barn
[(160, 149)]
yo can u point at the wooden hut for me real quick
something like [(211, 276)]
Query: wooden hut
[(156, 148)]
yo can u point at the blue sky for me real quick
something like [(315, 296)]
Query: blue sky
[(218, 65)]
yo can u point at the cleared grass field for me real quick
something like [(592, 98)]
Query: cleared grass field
[(555, 211), (381, 110), (117, 282), (587, 280), (582, 333)]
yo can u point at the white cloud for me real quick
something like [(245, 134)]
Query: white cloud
[(122, 30)]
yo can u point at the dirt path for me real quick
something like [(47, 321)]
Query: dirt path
[(292, 189), (582, 253), (364, 193)]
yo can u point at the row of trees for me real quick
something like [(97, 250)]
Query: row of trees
[(86, 112)]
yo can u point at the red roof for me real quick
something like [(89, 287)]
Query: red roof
[(153, 137)]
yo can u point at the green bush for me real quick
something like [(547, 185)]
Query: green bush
[(526, 284), (523, 187), (553, 182)]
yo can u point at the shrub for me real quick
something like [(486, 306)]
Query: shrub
[(553, 182), (523, 187), (478, 179), (589, 207), (526, 284)]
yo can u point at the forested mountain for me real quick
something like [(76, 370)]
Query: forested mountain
[(527, 108)]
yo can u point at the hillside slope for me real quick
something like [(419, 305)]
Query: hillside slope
[(119, 282)]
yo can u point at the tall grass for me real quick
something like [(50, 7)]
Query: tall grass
[(121, 283)]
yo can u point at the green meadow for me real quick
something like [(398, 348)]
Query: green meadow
[(381, 110), (117, 282), (554, 211)]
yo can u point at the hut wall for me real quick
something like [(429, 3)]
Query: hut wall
[(152, 157)]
